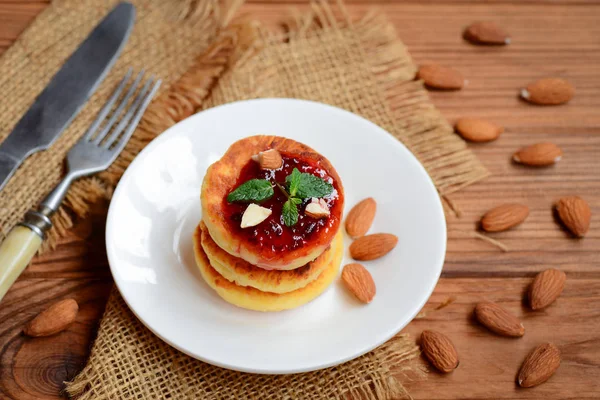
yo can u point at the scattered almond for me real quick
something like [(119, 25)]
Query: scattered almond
[(478, 130), (372, 246), (270, 159), (317, 208), (359, 281), (504, 217), (361, 217), (439, 77), (539, 365), (538, 155), (254, 215), (439, 350), (498, 320), (548, 91), (54, 319), (486, 32), (545, 288), (575, 214)]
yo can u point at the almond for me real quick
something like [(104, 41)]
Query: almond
[(270, 159), (498, 320), (545, 288), (317, 208), (478, 130), (539, 365), (254, 215), (538, 155), (486, 32), (361, 217), (359, 281), (548, 91), (439, 350), (504, 217), (373, 246), (439, 77), (53, 320), (575, 214)]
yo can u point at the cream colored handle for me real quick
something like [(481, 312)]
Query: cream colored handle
[(16, 251)]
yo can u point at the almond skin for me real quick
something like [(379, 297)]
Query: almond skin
[(439, 350), (539, 366), (440, 77), (545, 288), (538, 155), (478, 130), (575, 214), (548, 91), (269, 159), (359, 281), (372, 246), (486, 32), (361, 217), (54, 319), (498, 320), (504, 217)]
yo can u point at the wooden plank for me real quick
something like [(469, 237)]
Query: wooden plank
[(489, 363), (35, 368)]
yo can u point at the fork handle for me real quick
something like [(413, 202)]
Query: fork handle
[(21, 244), (16, 252)]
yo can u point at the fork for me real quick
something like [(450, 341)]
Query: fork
[(93, 153)]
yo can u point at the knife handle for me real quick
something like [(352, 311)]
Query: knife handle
[(8, 166), (16, 252)]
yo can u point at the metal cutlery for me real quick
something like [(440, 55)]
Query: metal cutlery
[(57, 105), (94, 152)]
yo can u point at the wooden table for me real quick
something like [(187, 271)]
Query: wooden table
[(549, 38)]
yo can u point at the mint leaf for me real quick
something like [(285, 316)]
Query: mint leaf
[(289, 211), (253, 190), (313, 186), (293, 181), (296, 200), (305, 185)]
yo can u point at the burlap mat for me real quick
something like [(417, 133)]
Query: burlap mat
[(360, 66)]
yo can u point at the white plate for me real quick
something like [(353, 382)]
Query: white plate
[(156, 207)]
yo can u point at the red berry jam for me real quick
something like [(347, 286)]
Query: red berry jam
[(272, 234)]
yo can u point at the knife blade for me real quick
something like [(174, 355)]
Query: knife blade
[(62, 99)]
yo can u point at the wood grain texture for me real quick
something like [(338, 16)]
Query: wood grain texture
[(549, 38)]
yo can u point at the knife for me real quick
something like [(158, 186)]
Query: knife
[(57, 105)]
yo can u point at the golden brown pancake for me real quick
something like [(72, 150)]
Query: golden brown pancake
[(223, 177), (242, 273), (253, 299)]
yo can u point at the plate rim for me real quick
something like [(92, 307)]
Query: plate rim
[(282, 371)]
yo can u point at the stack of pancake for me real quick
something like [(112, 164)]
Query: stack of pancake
[(254, 274)]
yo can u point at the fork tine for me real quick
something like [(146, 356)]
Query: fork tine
[(102, 134), (128, 114), (107, 107), (145, 101)]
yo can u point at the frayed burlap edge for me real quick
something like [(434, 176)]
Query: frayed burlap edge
[(133, 373), (408, 113)]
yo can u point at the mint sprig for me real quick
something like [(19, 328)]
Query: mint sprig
[(301, 185), (254, 190), (305, 185), (298, 186)]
